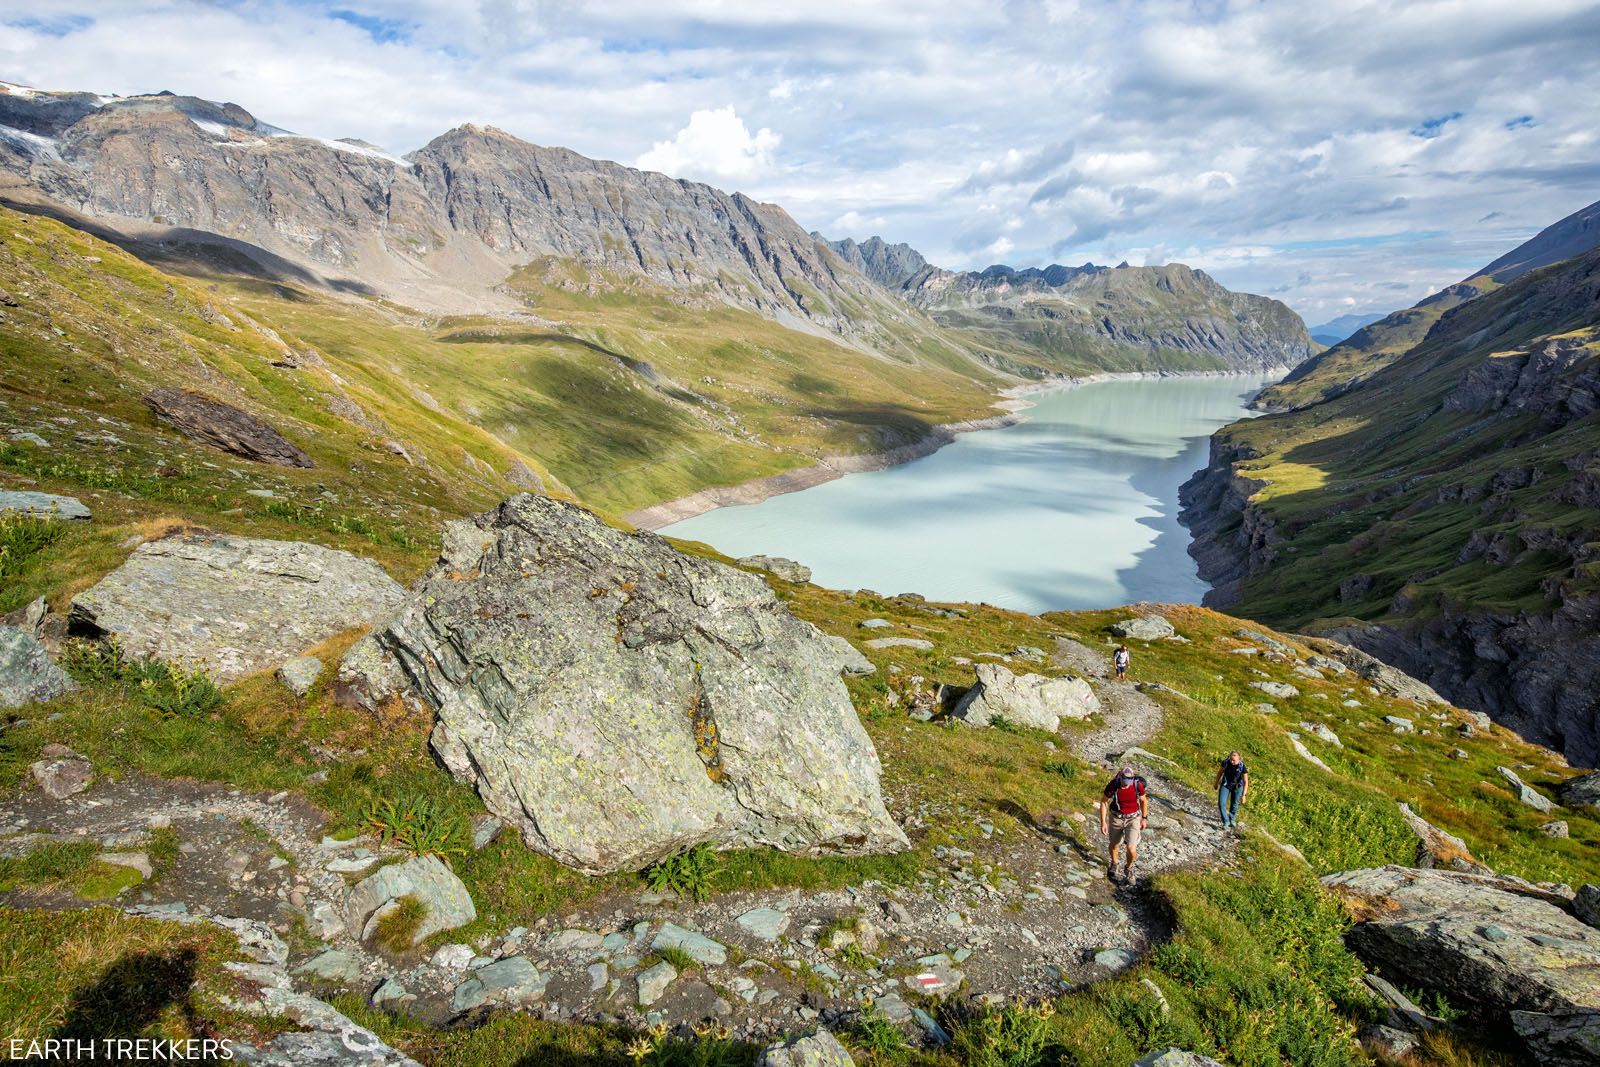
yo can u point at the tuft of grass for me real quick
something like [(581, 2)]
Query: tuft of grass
[(397, 930), (1017, 1035), (872, 1034), (681, 961), (692, 873)]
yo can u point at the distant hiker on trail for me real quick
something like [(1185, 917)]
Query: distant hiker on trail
[(1121, 659), (1124, 813), (1233, 782)]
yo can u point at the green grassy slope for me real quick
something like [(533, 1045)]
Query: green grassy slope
[(1395, 478), (615, 394)]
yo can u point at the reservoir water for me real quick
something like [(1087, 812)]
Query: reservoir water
[(1077, 507)]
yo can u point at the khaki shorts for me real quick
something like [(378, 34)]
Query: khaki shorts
[(1125, 830)]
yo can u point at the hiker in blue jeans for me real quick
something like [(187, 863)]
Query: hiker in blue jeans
[(1233, 782)]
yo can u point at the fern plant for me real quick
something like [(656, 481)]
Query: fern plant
[(689, 874), (420, 825)]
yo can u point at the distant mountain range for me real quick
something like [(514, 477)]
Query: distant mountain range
[(442, 228), (1180, 316), (1332, 332)]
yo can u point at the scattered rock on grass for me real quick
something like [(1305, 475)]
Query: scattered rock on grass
[(27, 676), (1143, 628), (1526, 793), (787, 569), (42, 505), (298, 675), (61, 772), (820, 1049), (509, 983), (223, 426)]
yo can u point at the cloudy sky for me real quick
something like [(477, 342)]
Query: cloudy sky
[(1341, 155)]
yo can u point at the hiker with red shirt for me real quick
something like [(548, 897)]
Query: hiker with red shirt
[(1124, 813)]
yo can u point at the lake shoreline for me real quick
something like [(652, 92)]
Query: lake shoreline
[(1012, 401)]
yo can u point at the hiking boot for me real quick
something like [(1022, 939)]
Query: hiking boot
[(1111, 875), (1128, 877)]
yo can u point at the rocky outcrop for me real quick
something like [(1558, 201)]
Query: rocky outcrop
[(778, 567), (1436, 848), (1033, 700), (27, 676), (42, 505), (1501, 947), (1582, 791), (224, 427), (617, 701), (230, 606)]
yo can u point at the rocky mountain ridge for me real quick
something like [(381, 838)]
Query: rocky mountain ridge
[(1373, 346), (1172, 309), (453, 218)]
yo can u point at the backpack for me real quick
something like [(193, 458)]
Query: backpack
[(1231, 776), (1120, 659), (1125, 798)]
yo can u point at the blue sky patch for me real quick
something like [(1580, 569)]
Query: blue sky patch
[(1431, 127), (59, 26)]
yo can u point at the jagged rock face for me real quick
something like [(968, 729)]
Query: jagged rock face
[(466, 208), (1502, 946), (617, 701), (230, 606), (890, 266)]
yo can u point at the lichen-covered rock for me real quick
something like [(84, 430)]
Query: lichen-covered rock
[(26, 674), (511, 983), (820, 1049), (1176, 1057), (230, 606), (299, 674), (223, 426), (1508, 949), (787, 569), (42, 505), (617, 701), (1024, 699), (1143, 628), (446, 902)]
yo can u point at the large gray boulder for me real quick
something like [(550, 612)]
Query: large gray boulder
[(26, 674), (230, 606), (618, 701), (787, 569), (425, 878), (1507, 949), (1143, 628), (1024, 699), (1525, 792), (42, 505)]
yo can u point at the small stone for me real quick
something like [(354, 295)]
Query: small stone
[(1554, 828), (653, 983), (900, 642), (764, 924), (697, 945), (1116, 959), (389, 992), (62, 776), (598, 976), (453, 957), (139, 861), (300, 674), (334, 965), (875, 624), (485, 828)]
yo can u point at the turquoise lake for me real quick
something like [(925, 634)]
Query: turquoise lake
[(1075, 508)]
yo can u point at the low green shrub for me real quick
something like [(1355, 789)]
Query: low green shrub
[(691, 874), (165, 687), (22, 538)]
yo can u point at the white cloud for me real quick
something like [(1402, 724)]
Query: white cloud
[(1169, 130), (715, 145)]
